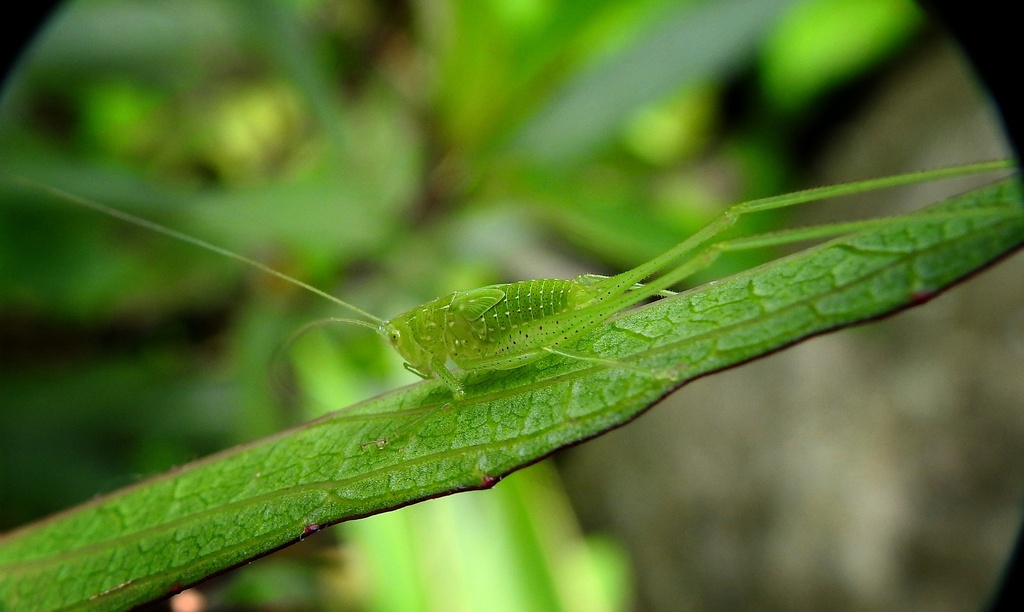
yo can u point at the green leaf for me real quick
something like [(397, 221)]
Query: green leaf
[(154, 538), (713, 37), (823, 43)]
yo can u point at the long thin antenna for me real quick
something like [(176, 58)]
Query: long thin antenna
[(156, 227)]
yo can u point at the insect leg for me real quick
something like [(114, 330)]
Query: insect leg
[(449, 379), (613, 363), (409, 368), (383, 441), (590, 279), (700, 250), (696, 244)]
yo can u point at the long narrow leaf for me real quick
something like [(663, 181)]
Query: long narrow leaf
[(174, 530)]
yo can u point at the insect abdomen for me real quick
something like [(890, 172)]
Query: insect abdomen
[(527, 301)]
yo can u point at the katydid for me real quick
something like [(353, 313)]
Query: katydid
[(505, 326)]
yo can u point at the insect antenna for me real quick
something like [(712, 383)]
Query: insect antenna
[(279, 376), (375, 323)]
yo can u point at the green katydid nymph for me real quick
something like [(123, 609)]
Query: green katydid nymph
[(505, 326)]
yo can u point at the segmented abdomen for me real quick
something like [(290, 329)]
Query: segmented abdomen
[(527, 301)]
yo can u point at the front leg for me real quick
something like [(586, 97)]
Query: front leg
[(449, 380), (443, 373)]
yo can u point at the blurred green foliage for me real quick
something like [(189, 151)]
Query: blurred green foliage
[(386, 152)]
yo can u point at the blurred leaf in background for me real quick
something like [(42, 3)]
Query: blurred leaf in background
[(389, 153)]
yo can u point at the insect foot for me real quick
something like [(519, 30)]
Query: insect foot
[(408, 429), (671, 374), (379, 443)]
